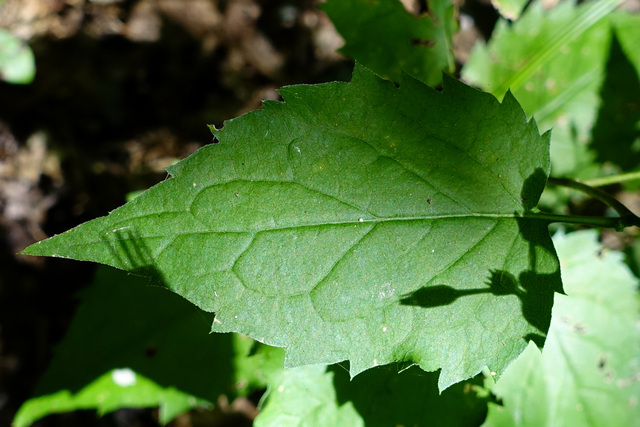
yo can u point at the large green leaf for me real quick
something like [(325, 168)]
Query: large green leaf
[(389, 40), (133, 345), (589, 371), (356, 221), (320, 396), (553, 62)]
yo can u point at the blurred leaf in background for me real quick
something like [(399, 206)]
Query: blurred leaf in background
[(17, 63), (555, 63), (133, 345), (588, 373), (386, 38), (326, 396)]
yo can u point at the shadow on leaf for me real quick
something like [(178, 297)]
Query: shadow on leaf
[(534, 289)]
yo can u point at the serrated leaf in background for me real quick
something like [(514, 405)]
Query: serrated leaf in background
[(133, 345), (17, 63), (386, 38), (317, 395), (358, 221), (589, 371), (554, 63), (616, 132)]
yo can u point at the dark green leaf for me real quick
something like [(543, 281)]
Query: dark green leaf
[(389, 40), (356, 221), (133, 345)]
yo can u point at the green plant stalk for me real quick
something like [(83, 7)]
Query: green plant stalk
[(618, 223), (626, 219), (613, 179)]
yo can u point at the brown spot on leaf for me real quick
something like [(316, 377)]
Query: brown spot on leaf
[(423, 42)]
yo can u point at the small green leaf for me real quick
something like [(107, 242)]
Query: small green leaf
[(133, 345), (305, 396), (254, 364), (315, 395), (116, 389), (356, 221), (589, 371), (385, 37), (17, 64)]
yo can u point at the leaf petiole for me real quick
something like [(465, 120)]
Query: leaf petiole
[(626, 218)]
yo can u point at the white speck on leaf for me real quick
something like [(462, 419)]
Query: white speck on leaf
[(195, 185), (360, 219), (123, 377), (384, 329), (386, 291)]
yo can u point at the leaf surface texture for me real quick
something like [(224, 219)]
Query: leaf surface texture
[(358, 221)]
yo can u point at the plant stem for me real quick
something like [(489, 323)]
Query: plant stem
[(593, 221), (627, 218), (614, 179)]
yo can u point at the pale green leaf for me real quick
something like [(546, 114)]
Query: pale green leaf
[(116, 389), (388, 39), (305, 396), (254, 364), (319, 396), (355, 221), (589, 371)]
